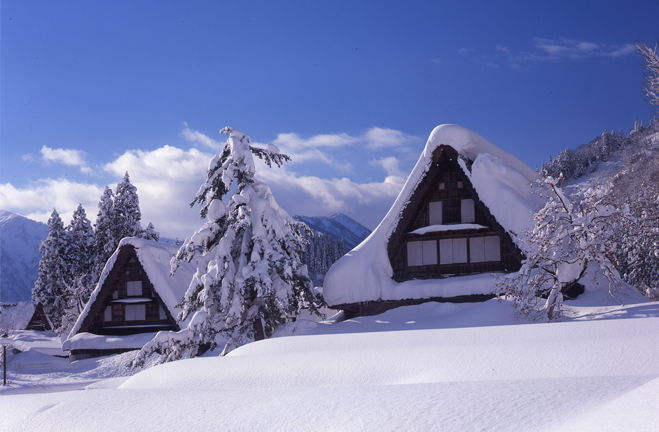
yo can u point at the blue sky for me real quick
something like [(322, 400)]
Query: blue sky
[(350, 89)]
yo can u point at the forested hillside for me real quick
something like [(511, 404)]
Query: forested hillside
[(627, 166)]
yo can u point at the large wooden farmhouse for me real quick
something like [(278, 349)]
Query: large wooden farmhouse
[(134, 298), (452, 226)]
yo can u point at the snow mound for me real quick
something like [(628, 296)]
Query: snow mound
[(502, 182)]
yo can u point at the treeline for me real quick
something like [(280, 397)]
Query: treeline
[(322, 251), (587, 158), (74, 256)]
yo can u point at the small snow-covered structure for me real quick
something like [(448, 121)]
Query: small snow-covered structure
[(135, 297), (453, 225), (24, 316)]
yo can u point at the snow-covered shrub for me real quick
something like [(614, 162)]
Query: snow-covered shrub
[(568, 239)]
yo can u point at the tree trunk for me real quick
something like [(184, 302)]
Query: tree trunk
[(259, 334)]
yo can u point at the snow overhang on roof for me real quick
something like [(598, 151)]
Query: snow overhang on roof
[(155, 258), (502, 183)]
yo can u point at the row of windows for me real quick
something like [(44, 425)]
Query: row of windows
[(453, 251), (441, 212), (130, 312)]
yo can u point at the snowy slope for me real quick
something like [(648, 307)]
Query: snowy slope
[(586, 376), (20, 238), (338, 225)]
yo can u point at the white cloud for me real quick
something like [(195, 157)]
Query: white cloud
[(551, 50), (379, 138), (65, 156), (38, 199), (167, 180), (389, 165), (436, 60), (200, 138)]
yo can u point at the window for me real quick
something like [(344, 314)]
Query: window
[(134, 288), (484, 249), (453, 251), (107, 317), (422, 253), (163, 315), (135, 312), (115, 294), (442, 186), (460, 185), (467, 211), (435, 212)]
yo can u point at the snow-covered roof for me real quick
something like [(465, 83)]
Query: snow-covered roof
[(502, 183), (155, 258), (17, 315)]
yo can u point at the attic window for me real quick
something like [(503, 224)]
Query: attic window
[(467, 211), (460, 185), (132, 260), (442, 186), (134, 288)]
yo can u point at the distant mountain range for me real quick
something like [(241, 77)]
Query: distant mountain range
[(338, 225), (20, 238)]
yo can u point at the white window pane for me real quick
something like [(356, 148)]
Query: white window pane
[(446, 251), (163, 315), (108, 314), (430, 252), (460, 250), (415, 253), (140, 312), (467, 211), (435, 212), (492, 248), (476, 250), (130, 312), (134, 288)]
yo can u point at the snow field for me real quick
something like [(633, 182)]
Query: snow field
[(590, 374)]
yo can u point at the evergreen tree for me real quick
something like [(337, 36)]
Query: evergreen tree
[(127, 215), (50, 287), (104, 241), (149, 233), (249, 277), (80, 261)]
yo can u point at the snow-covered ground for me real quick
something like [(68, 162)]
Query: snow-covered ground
[(470, 366)]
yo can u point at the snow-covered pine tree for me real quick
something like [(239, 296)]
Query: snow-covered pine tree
[(80, 260), (127, 215), (104, 242), (149, 233), (651, 59), (249, 278), (50, 287), (568, 238)]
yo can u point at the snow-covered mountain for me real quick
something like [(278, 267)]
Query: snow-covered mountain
[(20, 238), (338, 225)]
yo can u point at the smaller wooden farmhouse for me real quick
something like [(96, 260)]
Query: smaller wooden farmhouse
[(24, 316), (453, 225), (135, 297)]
